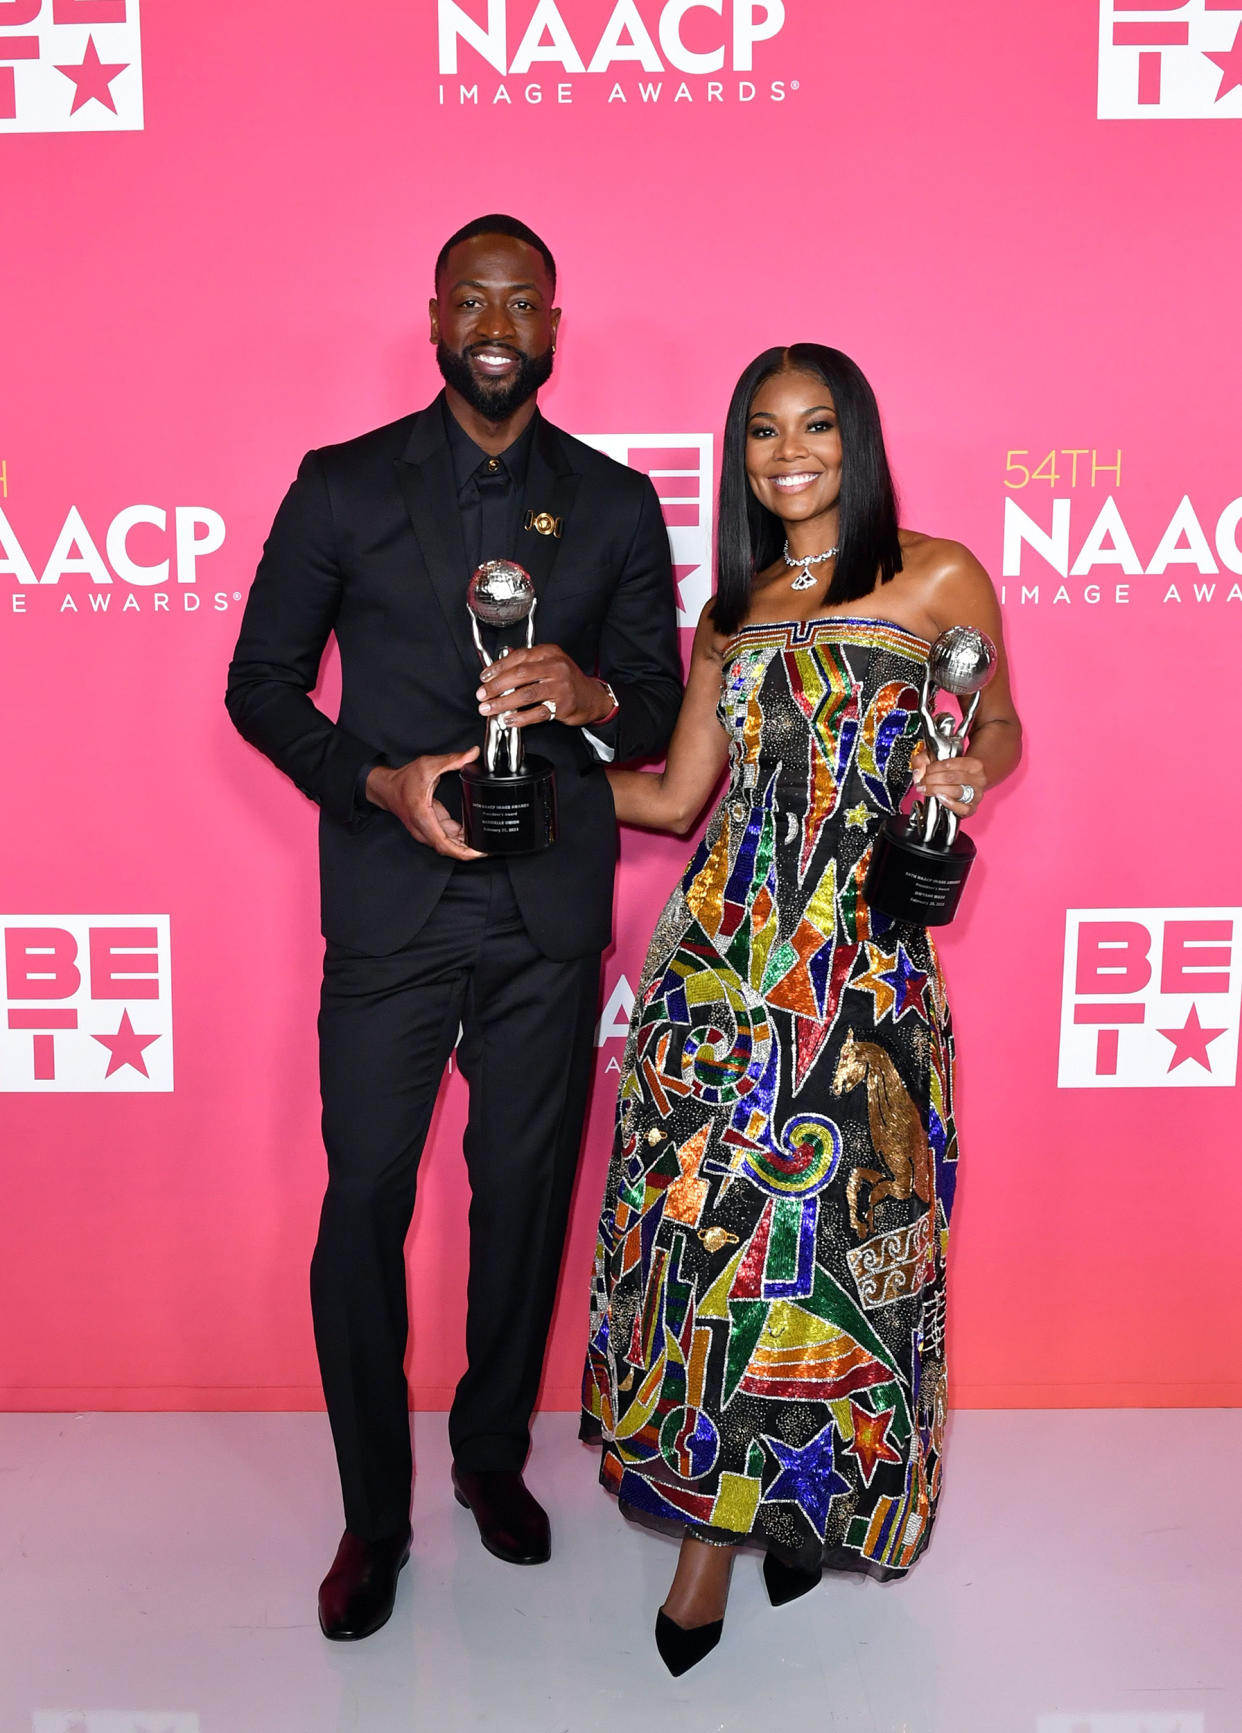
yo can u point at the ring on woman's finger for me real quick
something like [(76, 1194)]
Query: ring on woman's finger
[(968, 793)]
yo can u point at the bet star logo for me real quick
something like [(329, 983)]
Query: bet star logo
[(87, 1004), (1170, 60), (70, 66), (1150, 998)]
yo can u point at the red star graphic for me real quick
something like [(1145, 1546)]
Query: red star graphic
[(1191, 1041), (909, 984), (870, 1441), (1230, 62), (125, 1048), (92, 78)]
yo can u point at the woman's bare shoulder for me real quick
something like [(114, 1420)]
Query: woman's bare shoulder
[(937, 557), (950, 582)]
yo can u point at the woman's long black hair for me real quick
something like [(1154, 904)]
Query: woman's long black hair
[(749, 537)]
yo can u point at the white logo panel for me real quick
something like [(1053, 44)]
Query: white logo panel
[(70, 66), (680, 467), (1170, 61), (87, 1004), (1150, 998)]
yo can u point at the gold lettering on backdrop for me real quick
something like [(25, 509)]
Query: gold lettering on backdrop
[(1074, 453), (1098, 468), (1019, 474)]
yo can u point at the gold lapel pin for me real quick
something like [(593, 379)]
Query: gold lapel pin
[(544, 523)]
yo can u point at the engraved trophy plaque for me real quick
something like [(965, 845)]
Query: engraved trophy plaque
[(920, 860), (508, 799)]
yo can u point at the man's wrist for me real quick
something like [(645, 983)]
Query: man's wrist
[(378, 779), (609, 699)]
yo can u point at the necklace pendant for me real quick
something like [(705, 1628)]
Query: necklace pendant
[(805, 579)]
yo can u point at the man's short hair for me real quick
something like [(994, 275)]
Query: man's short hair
[(497, 224)]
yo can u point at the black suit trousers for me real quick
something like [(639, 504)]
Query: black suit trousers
[(387, 1027)]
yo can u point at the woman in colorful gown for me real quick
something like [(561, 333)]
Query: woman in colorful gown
[(767, 1358)]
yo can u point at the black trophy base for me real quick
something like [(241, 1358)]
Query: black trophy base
[(509, 814), (912, 882)]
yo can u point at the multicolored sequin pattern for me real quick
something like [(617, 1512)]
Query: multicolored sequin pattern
[(767, 1333)]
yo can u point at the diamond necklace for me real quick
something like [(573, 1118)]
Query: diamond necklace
[(806, 578)]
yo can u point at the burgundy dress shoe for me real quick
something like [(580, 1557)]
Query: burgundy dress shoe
[(511, 1524), (357, 1595)]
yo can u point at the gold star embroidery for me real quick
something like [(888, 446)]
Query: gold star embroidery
[(857, 816), (872, 980)]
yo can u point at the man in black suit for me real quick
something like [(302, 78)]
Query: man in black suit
[(375, 541)]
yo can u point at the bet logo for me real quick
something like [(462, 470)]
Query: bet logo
[(70, 66), (1170, 60), (1150, 999), (87, 1004)]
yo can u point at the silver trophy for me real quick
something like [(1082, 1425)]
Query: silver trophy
[(919, 862), (508, 799)]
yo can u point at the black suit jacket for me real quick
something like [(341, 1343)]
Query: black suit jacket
[(367, 544)]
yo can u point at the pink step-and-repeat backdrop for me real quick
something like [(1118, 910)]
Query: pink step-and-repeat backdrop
[(219, 227)]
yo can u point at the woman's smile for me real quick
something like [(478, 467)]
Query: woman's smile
[(796, 483)]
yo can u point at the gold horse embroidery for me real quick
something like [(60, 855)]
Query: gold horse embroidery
[(896, 1132)]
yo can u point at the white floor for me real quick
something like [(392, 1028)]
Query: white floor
[(158, 1574)]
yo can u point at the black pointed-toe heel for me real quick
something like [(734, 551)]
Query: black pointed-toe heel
[(785, 1583), (681, 1649)]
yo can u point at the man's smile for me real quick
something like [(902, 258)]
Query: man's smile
[(495, 363)]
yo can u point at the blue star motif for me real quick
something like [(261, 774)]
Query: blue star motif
[(808, 1477), (907, 983)]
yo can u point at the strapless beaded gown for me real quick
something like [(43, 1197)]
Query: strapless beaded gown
[(767, 1337)]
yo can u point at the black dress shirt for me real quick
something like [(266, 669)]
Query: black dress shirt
[(489, 493)]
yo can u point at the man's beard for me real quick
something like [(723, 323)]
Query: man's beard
[(495, 400)]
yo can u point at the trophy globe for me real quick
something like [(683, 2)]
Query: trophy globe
[(961, 661), (501, 593)]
